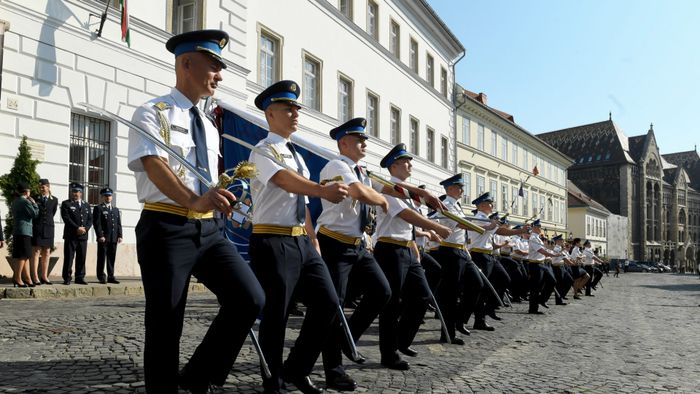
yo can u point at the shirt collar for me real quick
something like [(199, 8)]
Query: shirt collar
[(348, 160), (180, 99), (450, 200), (276, 138)]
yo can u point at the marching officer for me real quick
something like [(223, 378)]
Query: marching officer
[(535, 259), (178, 234), (283, 248), (77, 220), (107, 223), (395, 252), (43, 232), (340, 229)]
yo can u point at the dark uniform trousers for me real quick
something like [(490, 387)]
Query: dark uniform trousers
[(433, 270), (282, 264), (401, 317), (75, 215), (107, 224), (517, 274), (74, 248), (453, 262), (499, 279), (472, 290), (170, 248), (564, 280), (596, 276), (535, 283), (550, 282), (352, 262), (108, 250)]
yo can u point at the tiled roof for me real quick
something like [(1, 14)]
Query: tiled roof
[(690, 161), (502, 114), (591, 144)]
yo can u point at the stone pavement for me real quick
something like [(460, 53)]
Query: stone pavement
[(637, 335)]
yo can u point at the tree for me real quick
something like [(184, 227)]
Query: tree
[(23, 170)]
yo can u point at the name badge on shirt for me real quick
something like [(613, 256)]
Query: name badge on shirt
[(179, 129), (286, 156)]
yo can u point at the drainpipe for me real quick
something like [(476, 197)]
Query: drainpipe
[(454, 111), (4, 26)]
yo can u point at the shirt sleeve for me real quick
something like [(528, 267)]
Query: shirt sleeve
[(339, 168), (139, 146), (265, 166), (396, 206)]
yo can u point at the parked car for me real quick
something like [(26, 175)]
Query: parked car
[(663, 268), (639, 266)]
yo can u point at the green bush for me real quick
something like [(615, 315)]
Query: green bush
[(23, 170)]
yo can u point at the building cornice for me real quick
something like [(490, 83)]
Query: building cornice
[(426, 17)]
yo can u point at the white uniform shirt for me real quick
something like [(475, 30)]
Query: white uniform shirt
[(389, 224), (481, 241), (342, 217), (575, 253), (274, 205), (509, 242), (588, 256), (558, 261), (177, 112), (535, 244), (458, 235)]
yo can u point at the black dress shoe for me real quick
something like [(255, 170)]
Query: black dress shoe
[(66, 282), (116, 282), (482, 326), (396, 363), (577, 297), (493, 316), (189, 383), (544, 305), (535, 312), (80, 282), (409, 352), (562, 303), (590, 295), (305, 385), (454, 341), (462, 329), (103, 282), (360, 359), (565, 298), (341, 383), (46, 282)]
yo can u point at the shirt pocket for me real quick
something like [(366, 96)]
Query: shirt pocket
[(183, 145)]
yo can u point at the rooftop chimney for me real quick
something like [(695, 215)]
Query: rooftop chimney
[(482, 98)]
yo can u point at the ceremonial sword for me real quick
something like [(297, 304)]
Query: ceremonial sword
[(195, 171)]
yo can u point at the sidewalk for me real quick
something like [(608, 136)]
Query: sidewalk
[(127, 286)]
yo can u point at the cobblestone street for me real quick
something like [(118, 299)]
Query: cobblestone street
[(638, 334)]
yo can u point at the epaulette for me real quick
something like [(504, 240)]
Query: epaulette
[(162, 105)]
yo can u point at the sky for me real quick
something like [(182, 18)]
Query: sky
[(555, 64)]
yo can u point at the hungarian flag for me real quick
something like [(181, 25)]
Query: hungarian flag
[(535, 171), (126, 36)]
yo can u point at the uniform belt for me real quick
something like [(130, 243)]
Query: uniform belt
[(505, 254), (535, 261), (177, 210), (293, 231), (452, 245), (479, 250), (340, 237), (400, 242)]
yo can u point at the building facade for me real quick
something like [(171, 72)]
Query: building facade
[(497, 155), (588, 219), (389, 61), (631, 178)]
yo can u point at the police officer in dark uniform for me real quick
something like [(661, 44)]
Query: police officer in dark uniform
[(284, 250), (107, 222), (43, 232), (178, 234), (77, 220)]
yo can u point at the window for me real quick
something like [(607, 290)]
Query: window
[(372, 19), (185, 16), (345, 7), (466, 131), (344, 99), (467, 190), (430, 144), (269, 59), (413, 55), (514, 199), (395, 125), (534, 204), (494, 143), (443, 151), (494, 191), (429, 70), (373, 115), (588, 225), (480, 137), (480, 185), (312, 83), (89, 155), (549, 208), (504, 198), (414, 137), (395, 39), (504, 149), (541, 211), (443, 81), (514, 153), (525, 166), (525, 202)]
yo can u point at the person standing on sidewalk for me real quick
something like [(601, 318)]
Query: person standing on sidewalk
[(43, 232), (24, 211), (178, 234), (77, 221), (107, 221)]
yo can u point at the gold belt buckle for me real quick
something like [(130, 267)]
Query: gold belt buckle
[(297, 231), (198, 215)]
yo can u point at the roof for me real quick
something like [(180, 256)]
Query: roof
[(690, 162), (476, 96), (577, 198), (591, 144)]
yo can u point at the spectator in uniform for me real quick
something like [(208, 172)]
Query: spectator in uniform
[(43, 232), (107, 223), (77, 220)]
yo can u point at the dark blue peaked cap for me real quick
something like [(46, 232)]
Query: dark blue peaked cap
[(557, 238), (537, 223), (482, 198), (106, 191), (282, 91), (453, 180), (207, 41), (353, 126), (397, 152), (76, 186)]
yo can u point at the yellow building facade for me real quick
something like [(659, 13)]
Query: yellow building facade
[(496, 155)]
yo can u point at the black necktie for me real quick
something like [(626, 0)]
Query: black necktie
[(301, 206), (364, 218), (200, 141)]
